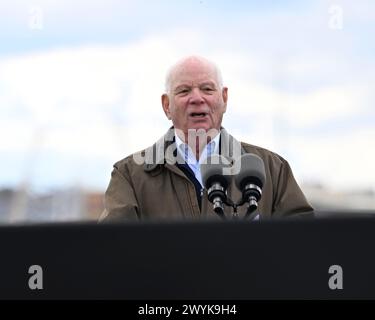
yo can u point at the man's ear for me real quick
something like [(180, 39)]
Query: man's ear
[(165, 104), (225, 97)]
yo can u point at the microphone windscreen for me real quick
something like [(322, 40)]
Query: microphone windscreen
[(251, 171), (212, 171)]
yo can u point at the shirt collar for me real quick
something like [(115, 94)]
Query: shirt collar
[(211, 148)]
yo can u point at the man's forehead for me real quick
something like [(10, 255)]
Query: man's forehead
[(197, 82), (194, 77)]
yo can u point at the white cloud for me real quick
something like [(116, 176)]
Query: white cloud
[(298, 108), (343, 161), (16, 136), (326, 104)]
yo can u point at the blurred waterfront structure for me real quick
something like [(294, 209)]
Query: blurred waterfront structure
[(55, 206), (20, 206)]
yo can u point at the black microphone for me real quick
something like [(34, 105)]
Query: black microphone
[(250, 180), (215, 181)]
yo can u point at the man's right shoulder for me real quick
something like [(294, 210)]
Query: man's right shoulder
[(132, 161)]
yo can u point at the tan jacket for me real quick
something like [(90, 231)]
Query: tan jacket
[(160, 190)]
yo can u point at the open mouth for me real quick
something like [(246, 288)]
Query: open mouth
[(198, 114)]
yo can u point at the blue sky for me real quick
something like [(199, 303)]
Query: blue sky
[(82, 89)]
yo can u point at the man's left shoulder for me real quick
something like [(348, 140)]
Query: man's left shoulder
[(266, 155)]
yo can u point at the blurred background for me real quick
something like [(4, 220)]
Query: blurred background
[(80, 87)]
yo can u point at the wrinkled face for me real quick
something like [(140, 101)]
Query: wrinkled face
[(195, 100)]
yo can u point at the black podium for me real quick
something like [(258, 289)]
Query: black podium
[(285, 259)]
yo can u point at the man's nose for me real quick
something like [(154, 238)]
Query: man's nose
[(196, 96)]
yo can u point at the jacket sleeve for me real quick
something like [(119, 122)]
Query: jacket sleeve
[(119, 200), (289, 199)]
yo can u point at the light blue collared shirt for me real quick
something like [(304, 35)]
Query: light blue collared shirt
[(187, 154)]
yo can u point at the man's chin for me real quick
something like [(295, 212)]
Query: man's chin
[(200, 126), (209, 130)]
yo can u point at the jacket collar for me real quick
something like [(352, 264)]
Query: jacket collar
[(162, 151)]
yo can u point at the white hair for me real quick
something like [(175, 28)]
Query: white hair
[(172, 69)]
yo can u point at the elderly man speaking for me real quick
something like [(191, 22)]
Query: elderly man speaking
[(164, 182)]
